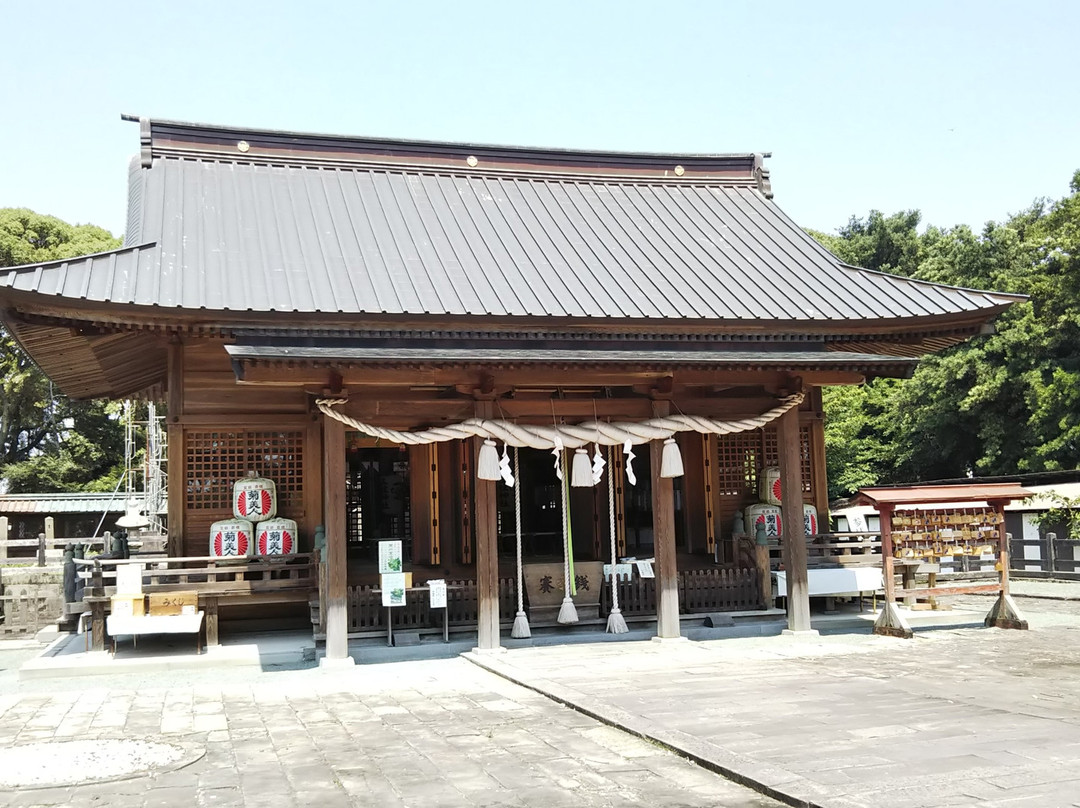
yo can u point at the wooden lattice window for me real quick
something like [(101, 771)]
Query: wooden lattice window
[(738, 462), (216, 460), (742, 455)]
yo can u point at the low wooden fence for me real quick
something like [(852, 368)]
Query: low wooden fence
[(366, 612), (25, 614), (1048, 554), (708, 590)]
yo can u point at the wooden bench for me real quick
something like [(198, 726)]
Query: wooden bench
[(252, 581)]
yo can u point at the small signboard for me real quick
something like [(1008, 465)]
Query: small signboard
[(856, 523), (624, 572), (437, 594), (389, 557), (393, 587), (129, 579), (644, 569), (186, 602)]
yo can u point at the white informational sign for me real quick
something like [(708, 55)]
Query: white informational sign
[(437, 594), (624, 572), (393, 587), (129, 579), (856, 523), (389, 557), (644, 569)]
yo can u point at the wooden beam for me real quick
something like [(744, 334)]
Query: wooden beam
[(337, 617), (228, 421), (497, 379), (667, 573), (794, 530), (487, 549)]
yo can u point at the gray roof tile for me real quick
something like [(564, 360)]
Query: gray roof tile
[(224, 235)]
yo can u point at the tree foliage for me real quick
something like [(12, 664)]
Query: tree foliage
[(50, 443), (1002, 403)]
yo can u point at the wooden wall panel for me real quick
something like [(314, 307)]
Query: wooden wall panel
[(214, 459)]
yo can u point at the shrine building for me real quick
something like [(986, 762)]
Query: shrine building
[(372, 324)]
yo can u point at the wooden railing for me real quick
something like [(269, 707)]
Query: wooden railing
[(708, 590), (832, 550), (367, 614), (254, 580)]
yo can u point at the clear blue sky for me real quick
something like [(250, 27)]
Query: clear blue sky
[(967, 111)]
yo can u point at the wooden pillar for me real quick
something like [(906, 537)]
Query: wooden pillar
[(485, 523), (337, 617), (819, 482), (794, 532), (424, 502), (176, 468), (667, 573)]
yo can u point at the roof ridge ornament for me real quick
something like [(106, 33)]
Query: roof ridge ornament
[(146, 143), (761, 176)]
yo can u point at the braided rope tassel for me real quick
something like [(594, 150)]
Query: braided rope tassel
[(616, 623), (521, 621), (567, 612)]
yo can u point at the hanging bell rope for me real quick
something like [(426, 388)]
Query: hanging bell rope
[(568, 611), (520, 629), (563, 435), (616, 623)]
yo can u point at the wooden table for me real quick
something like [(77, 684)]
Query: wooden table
[(156, 624)]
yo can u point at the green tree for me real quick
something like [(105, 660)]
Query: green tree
[(1001, 403), (50, 443)]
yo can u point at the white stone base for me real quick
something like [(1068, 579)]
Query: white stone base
[(336, 664), (809, 632)]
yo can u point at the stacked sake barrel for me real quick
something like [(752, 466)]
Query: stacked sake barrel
[(767, 512), (255, 529)]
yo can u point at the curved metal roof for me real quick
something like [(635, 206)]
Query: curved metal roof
[(301, 230)]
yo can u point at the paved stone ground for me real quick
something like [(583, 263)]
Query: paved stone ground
[(957, 716), (434, 733)]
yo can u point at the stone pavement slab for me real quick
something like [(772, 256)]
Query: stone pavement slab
[(960, 716), (426, 734)]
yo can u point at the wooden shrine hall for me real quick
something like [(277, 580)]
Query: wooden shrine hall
[(388, 329)]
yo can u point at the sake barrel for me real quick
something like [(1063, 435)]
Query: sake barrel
[(769, 486), (769, 516), (763, 514), (231, 537), (276, 537), (254, 498)]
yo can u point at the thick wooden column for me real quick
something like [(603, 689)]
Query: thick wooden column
[(665, 568), (336, 596), (485, 523), (794, 532), (174, 435)]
